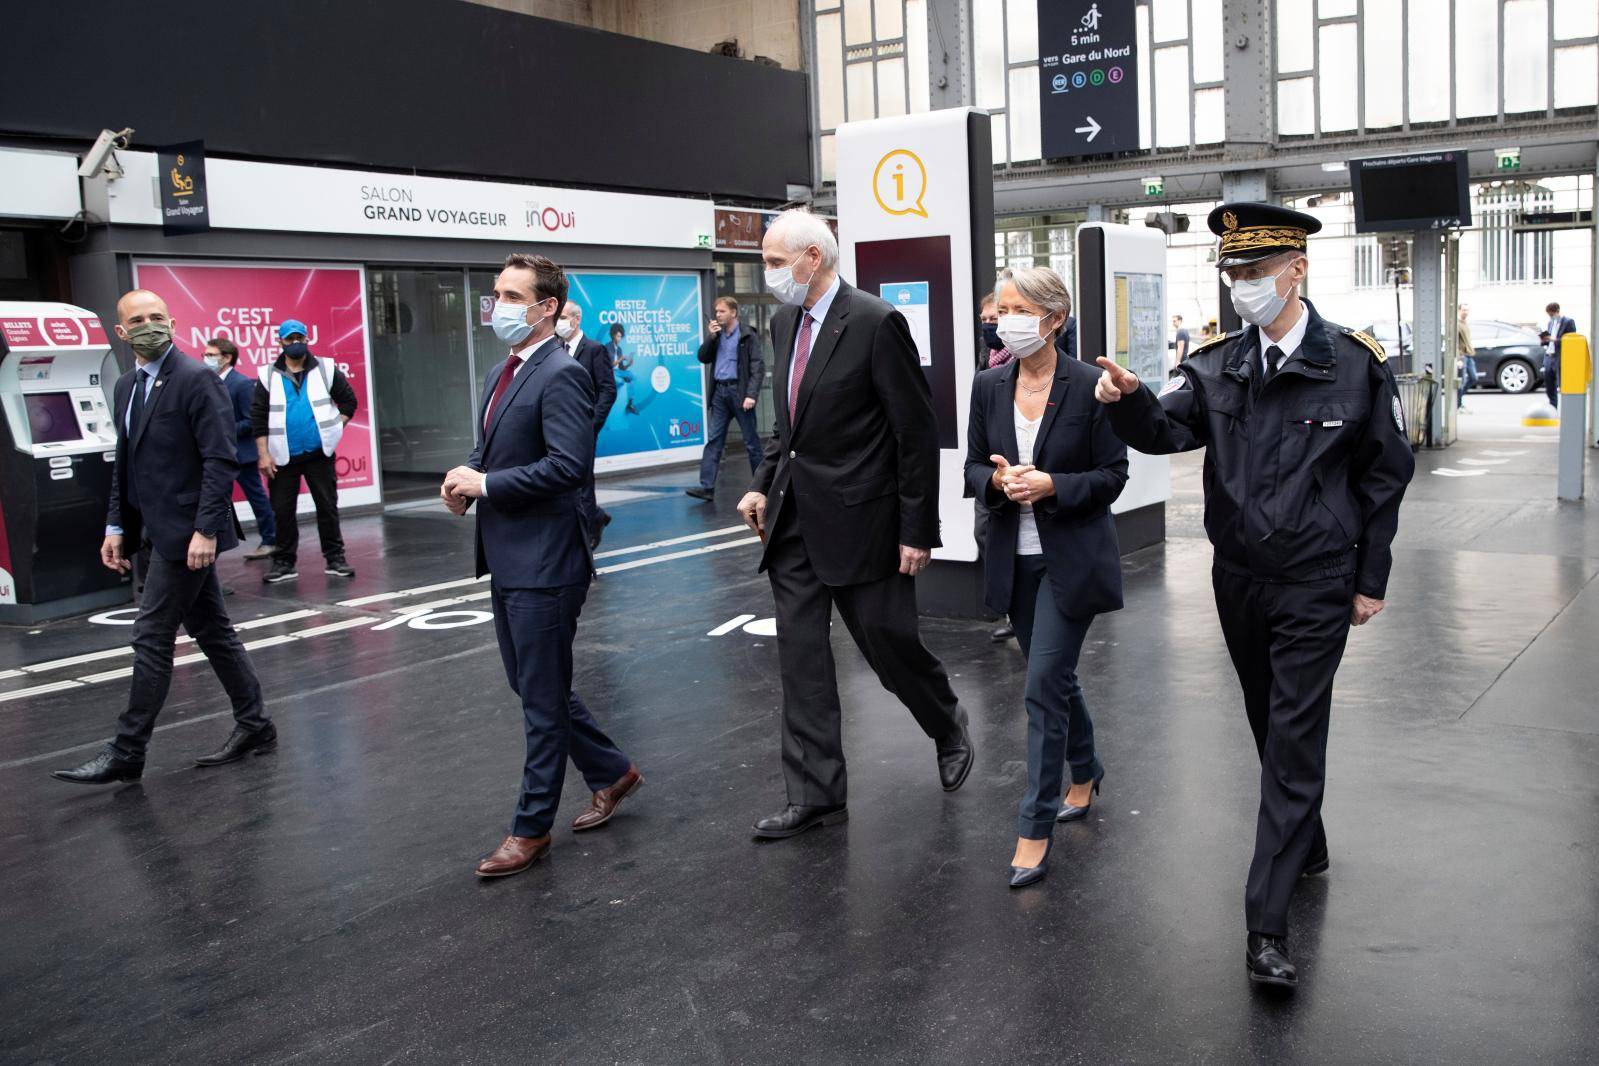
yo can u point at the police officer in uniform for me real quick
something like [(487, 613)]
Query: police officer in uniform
[(1308, 462)]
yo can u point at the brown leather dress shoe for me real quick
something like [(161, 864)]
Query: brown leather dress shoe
[(606, 800), (514, 855)]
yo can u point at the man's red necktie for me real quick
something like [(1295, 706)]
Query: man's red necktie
[(499, 390), (802, 355)]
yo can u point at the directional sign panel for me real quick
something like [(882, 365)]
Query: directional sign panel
[(1088, 77)]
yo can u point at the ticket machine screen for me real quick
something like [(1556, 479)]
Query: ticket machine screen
[(51, 417)]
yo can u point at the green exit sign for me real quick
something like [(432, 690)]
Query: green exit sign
[(1508, 158), (702, 240), (1154, 186)]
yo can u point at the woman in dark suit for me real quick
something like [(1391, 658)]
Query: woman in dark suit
[(1041, 454)]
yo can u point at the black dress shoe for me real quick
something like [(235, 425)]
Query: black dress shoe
[(700, 494), (103, 769), (1317, 864), (1022, 876), (955, 758), (239, 744), (1068, 813), (792, 820), (1002, 633), (1266, 959)]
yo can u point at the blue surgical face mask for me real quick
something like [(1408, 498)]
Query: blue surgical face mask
[(511, 324), (991, 336)]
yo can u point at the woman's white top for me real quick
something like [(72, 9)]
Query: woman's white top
[(1027, 532)]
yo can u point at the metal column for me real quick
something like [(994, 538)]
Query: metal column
[(951, 69), (1593, 309), (1426, 275)]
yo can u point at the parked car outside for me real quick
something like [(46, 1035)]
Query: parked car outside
[(1509, 356)]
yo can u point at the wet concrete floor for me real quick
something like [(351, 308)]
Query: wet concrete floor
[(318, 904)]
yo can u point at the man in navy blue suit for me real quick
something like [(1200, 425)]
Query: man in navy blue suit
[(222, 355), (528, 471), (172, 492)]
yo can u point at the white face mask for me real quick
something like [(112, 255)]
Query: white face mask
[(563, 328), (510, 322), (785, 286), (214, 362), (1021, 334), (1258, 302)]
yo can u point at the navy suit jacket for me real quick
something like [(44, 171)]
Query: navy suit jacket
[(594, 357), (241, 390), (181, 456), (536, 452), (1080, 452)]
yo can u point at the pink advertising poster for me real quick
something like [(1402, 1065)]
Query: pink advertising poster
[(245, 302)]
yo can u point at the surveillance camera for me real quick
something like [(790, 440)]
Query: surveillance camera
[(100, 159)]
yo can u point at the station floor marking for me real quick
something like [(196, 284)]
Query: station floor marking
[(673, 542), (403, 614), (441, 586), (112, 653), (652, 560)]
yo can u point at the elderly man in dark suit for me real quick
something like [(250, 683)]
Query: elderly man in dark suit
[(535, 447), (172, 491), (847, 501), (594, 357)]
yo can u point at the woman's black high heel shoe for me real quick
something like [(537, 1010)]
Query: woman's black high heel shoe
[(1022, 876), (1068, 813)]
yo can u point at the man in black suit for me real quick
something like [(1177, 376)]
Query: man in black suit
[(1559, 325), (596, 359), (737, 371), (222, 355), (846, 499), (172, 491), (535, 448)]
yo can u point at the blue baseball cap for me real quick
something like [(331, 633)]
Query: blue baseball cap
[(290, 327)]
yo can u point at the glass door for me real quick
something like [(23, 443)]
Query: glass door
[(422, 375)]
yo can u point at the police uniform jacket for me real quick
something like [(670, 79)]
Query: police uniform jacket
[(1304, 474)]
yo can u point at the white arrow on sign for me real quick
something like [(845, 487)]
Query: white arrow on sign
[(1092, 129)]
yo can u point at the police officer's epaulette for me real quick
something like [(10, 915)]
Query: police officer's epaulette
[(1213, 342), (1368, 341)]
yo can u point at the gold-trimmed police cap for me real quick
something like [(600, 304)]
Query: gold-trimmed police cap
[(1251, 232)]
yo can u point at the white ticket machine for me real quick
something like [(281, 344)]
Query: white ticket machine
[(56, 456)]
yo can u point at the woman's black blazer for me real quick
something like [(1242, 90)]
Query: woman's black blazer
[(1077, 448)]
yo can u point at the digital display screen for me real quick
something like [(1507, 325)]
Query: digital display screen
[(913, 273), (51, 418), (1414, 192), (1140, 340)]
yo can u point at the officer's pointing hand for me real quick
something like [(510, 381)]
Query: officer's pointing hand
[(1116, 382)]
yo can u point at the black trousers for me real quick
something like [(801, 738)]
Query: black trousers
[(535, 629), (881, 616), (320, 478), (1059, 729), (174, 595), (593, 513), (1286, 642)]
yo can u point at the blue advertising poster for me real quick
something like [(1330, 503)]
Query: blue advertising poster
[(652, 325)]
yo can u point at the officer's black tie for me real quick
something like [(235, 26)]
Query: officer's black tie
[(1273, 356)]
